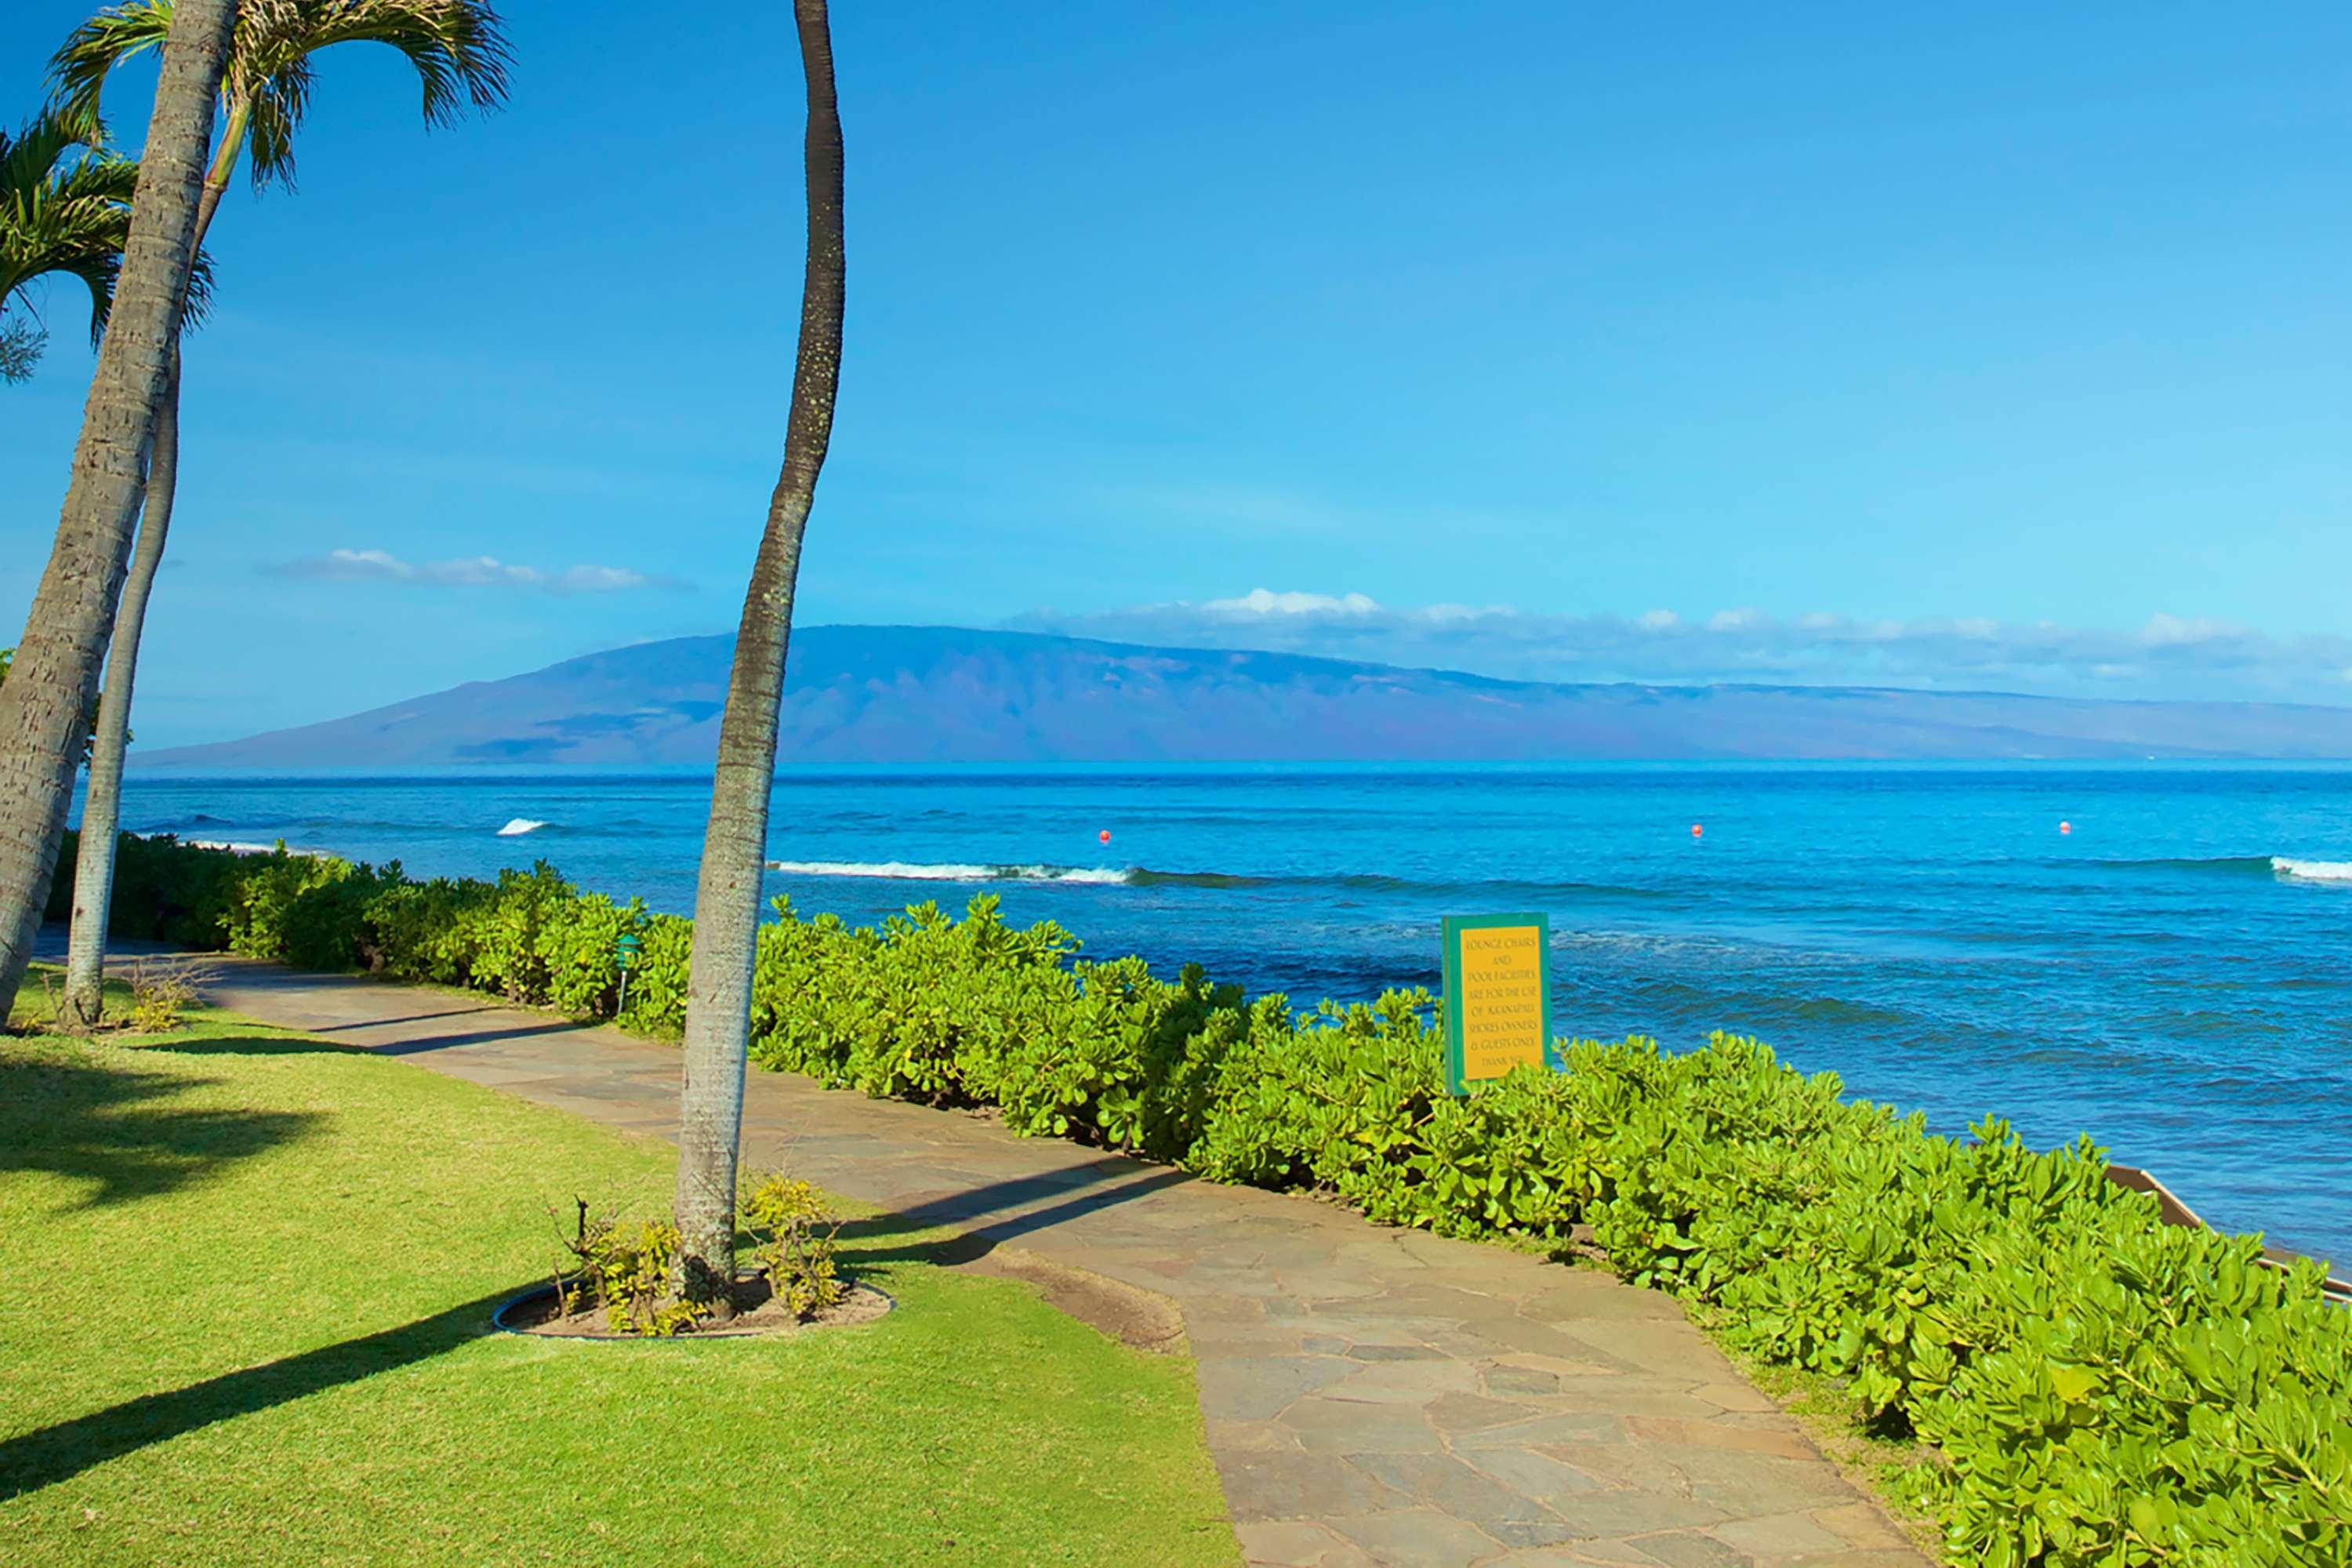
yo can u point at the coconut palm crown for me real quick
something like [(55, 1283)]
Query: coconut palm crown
[(458, 47), (65, 211)]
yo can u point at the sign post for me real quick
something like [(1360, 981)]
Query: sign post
[(626, 951), (1497, 997)]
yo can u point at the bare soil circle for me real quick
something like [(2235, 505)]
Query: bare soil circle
[(759, 1313)]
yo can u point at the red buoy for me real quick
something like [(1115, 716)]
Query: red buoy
[(1105, 834), (2065, 828), (1697, 830)]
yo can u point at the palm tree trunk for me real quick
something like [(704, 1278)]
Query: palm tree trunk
[(735, 844), (47, 698), (102, 811)]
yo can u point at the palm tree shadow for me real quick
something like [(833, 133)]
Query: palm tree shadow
[(57, 1453), (1089, 1189), (263, 1046), (99, 1122)]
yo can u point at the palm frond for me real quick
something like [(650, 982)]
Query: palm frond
[(457, 49), (277, 105), (28, 158), (70, 217), (64, 205), (91, 51), (100, 177)]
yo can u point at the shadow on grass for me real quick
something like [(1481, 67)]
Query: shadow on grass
[(98, 1121), (60, 1452), (1091, 1189)]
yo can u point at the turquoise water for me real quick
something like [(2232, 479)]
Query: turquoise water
[(2173, 977)]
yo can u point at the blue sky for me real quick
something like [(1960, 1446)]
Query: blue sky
[(1977, 346)]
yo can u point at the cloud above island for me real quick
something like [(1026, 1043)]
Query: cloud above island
[(2167, 656), (472, 572)]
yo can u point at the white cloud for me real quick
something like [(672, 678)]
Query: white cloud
[(473, 571), (2163, 630), (2167, 656), (1264, 602)]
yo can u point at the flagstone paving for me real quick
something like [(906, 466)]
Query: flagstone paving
[(1371, 1395)]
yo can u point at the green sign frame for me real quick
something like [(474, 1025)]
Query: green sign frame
[(1457, 994)]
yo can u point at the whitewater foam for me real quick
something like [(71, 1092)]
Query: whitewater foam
[(2313, 870), (519, 827), (237, 847), (909, 871)]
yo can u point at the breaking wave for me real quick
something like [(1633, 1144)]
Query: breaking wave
[(519, 827), (2246, 865), (1145, 877), (236, 847), (2218, 865), (910, 871)]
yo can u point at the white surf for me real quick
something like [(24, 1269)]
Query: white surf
[(910, 871), (2313, 870)]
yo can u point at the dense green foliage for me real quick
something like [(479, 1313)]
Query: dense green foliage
[(2108, 1390)]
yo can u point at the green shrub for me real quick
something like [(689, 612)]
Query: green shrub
[(656, 999), (161, 997), (2109, 1391), (793, 1234), (625, 1267)]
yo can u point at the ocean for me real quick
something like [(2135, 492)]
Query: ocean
[(2157, 955)]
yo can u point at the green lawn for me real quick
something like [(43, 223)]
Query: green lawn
[(244, 1292)]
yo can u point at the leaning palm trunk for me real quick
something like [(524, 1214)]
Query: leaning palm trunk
[(47, 700), (734, 846), (102, 809)]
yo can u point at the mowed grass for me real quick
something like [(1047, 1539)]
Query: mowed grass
[(244, 1285)]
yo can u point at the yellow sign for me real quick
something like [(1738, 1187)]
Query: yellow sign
[(1498, 996)]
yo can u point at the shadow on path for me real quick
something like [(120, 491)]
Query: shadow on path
[(979, 1240), (394, 1023), (57, 1453), (480, 1037)]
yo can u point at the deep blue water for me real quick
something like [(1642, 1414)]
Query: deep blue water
[(2174, 976)]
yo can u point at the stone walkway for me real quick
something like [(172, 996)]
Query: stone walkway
[(1372, 1395)]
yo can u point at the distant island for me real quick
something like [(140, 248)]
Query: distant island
[(950, 694)]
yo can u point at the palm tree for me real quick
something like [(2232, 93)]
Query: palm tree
[(54, 679), (734, 845), (459, 50), (65, 208)]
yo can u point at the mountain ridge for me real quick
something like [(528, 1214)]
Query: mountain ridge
[(950, 694)]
